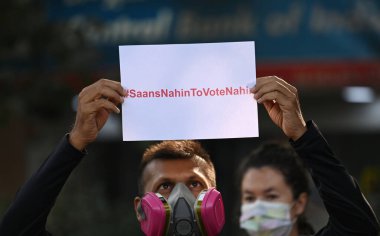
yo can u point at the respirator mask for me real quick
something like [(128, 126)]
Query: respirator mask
[(182, 214)]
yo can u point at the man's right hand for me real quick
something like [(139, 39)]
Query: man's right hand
[(95, 103)]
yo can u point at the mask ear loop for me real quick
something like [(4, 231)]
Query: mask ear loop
[(292, 206), (293, 221)]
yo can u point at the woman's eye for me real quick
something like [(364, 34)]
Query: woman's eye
[(271, 197), (249, 199)]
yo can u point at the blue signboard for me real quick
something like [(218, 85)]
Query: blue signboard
[(283, 30)]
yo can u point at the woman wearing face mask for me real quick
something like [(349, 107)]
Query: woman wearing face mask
[(273, 183), (274, 192)]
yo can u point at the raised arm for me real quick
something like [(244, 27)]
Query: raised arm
[(28, 213), (350, 213), (95, 103)]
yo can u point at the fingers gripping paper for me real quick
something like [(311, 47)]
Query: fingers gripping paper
[(188, 91)]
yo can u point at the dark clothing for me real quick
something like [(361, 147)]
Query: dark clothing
[(349, 212), (29, 211)]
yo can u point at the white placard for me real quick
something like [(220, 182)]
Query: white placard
[(188, 91)]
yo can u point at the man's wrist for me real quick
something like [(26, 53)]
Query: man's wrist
[(299, 133), (76, 141)]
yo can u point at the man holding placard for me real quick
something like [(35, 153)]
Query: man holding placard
[(176, 175)]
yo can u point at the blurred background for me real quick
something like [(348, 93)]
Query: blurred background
[(50, 50)]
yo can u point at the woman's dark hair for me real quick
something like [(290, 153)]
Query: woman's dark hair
[(284, 159)]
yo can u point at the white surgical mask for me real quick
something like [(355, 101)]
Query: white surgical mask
[(263, 218)]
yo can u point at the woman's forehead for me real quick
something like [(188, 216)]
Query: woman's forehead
[(263, 178)]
